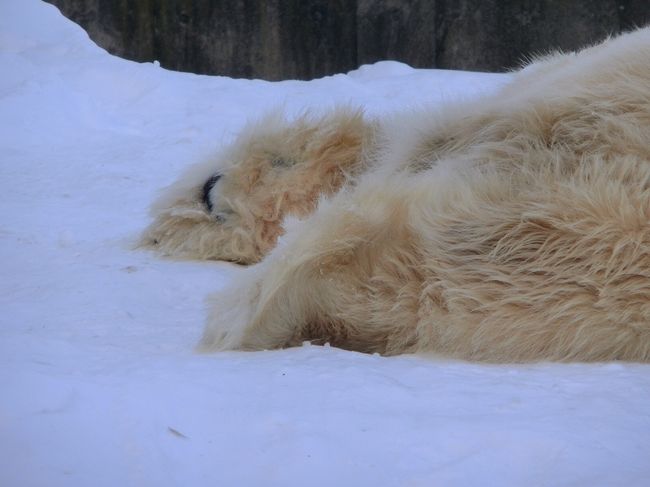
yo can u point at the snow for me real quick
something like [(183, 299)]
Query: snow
[(99, 382)]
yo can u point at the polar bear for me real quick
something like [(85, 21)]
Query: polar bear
[(511, 228)]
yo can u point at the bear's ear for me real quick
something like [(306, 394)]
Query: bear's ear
[(277, 161)]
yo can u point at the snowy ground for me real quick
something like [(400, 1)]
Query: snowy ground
[(98, 382)]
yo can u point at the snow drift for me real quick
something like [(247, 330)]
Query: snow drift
[(100, 385)]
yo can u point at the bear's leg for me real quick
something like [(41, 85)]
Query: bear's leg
[(348, 275), (538, 265)]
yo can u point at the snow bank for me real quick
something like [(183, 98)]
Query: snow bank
[(99, 382)]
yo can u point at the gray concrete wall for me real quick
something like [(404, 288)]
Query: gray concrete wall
[(304, 39)]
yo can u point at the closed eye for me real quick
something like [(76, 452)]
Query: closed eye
[(207, 187)]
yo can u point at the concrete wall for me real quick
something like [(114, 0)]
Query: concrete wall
[(304, 39)]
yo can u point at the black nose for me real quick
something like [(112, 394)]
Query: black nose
[(207, 187)]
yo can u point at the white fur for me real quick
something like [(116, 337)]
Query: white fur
[(510, 228)]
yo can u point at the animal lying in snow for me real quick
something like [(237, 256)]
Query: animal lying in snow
[(511, 228)]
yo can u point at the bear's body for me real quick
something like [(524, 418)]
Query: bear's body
[(512, 228)]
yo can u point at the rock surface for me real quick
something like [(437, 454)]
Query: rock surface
[(304, 39)]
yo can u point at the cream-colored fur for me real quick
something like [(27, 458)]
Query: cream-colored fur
[(513, 228), (273, 170)]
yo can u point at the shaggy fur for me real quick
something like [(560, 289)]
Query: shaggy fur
[(514, 228), (273, 170)]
